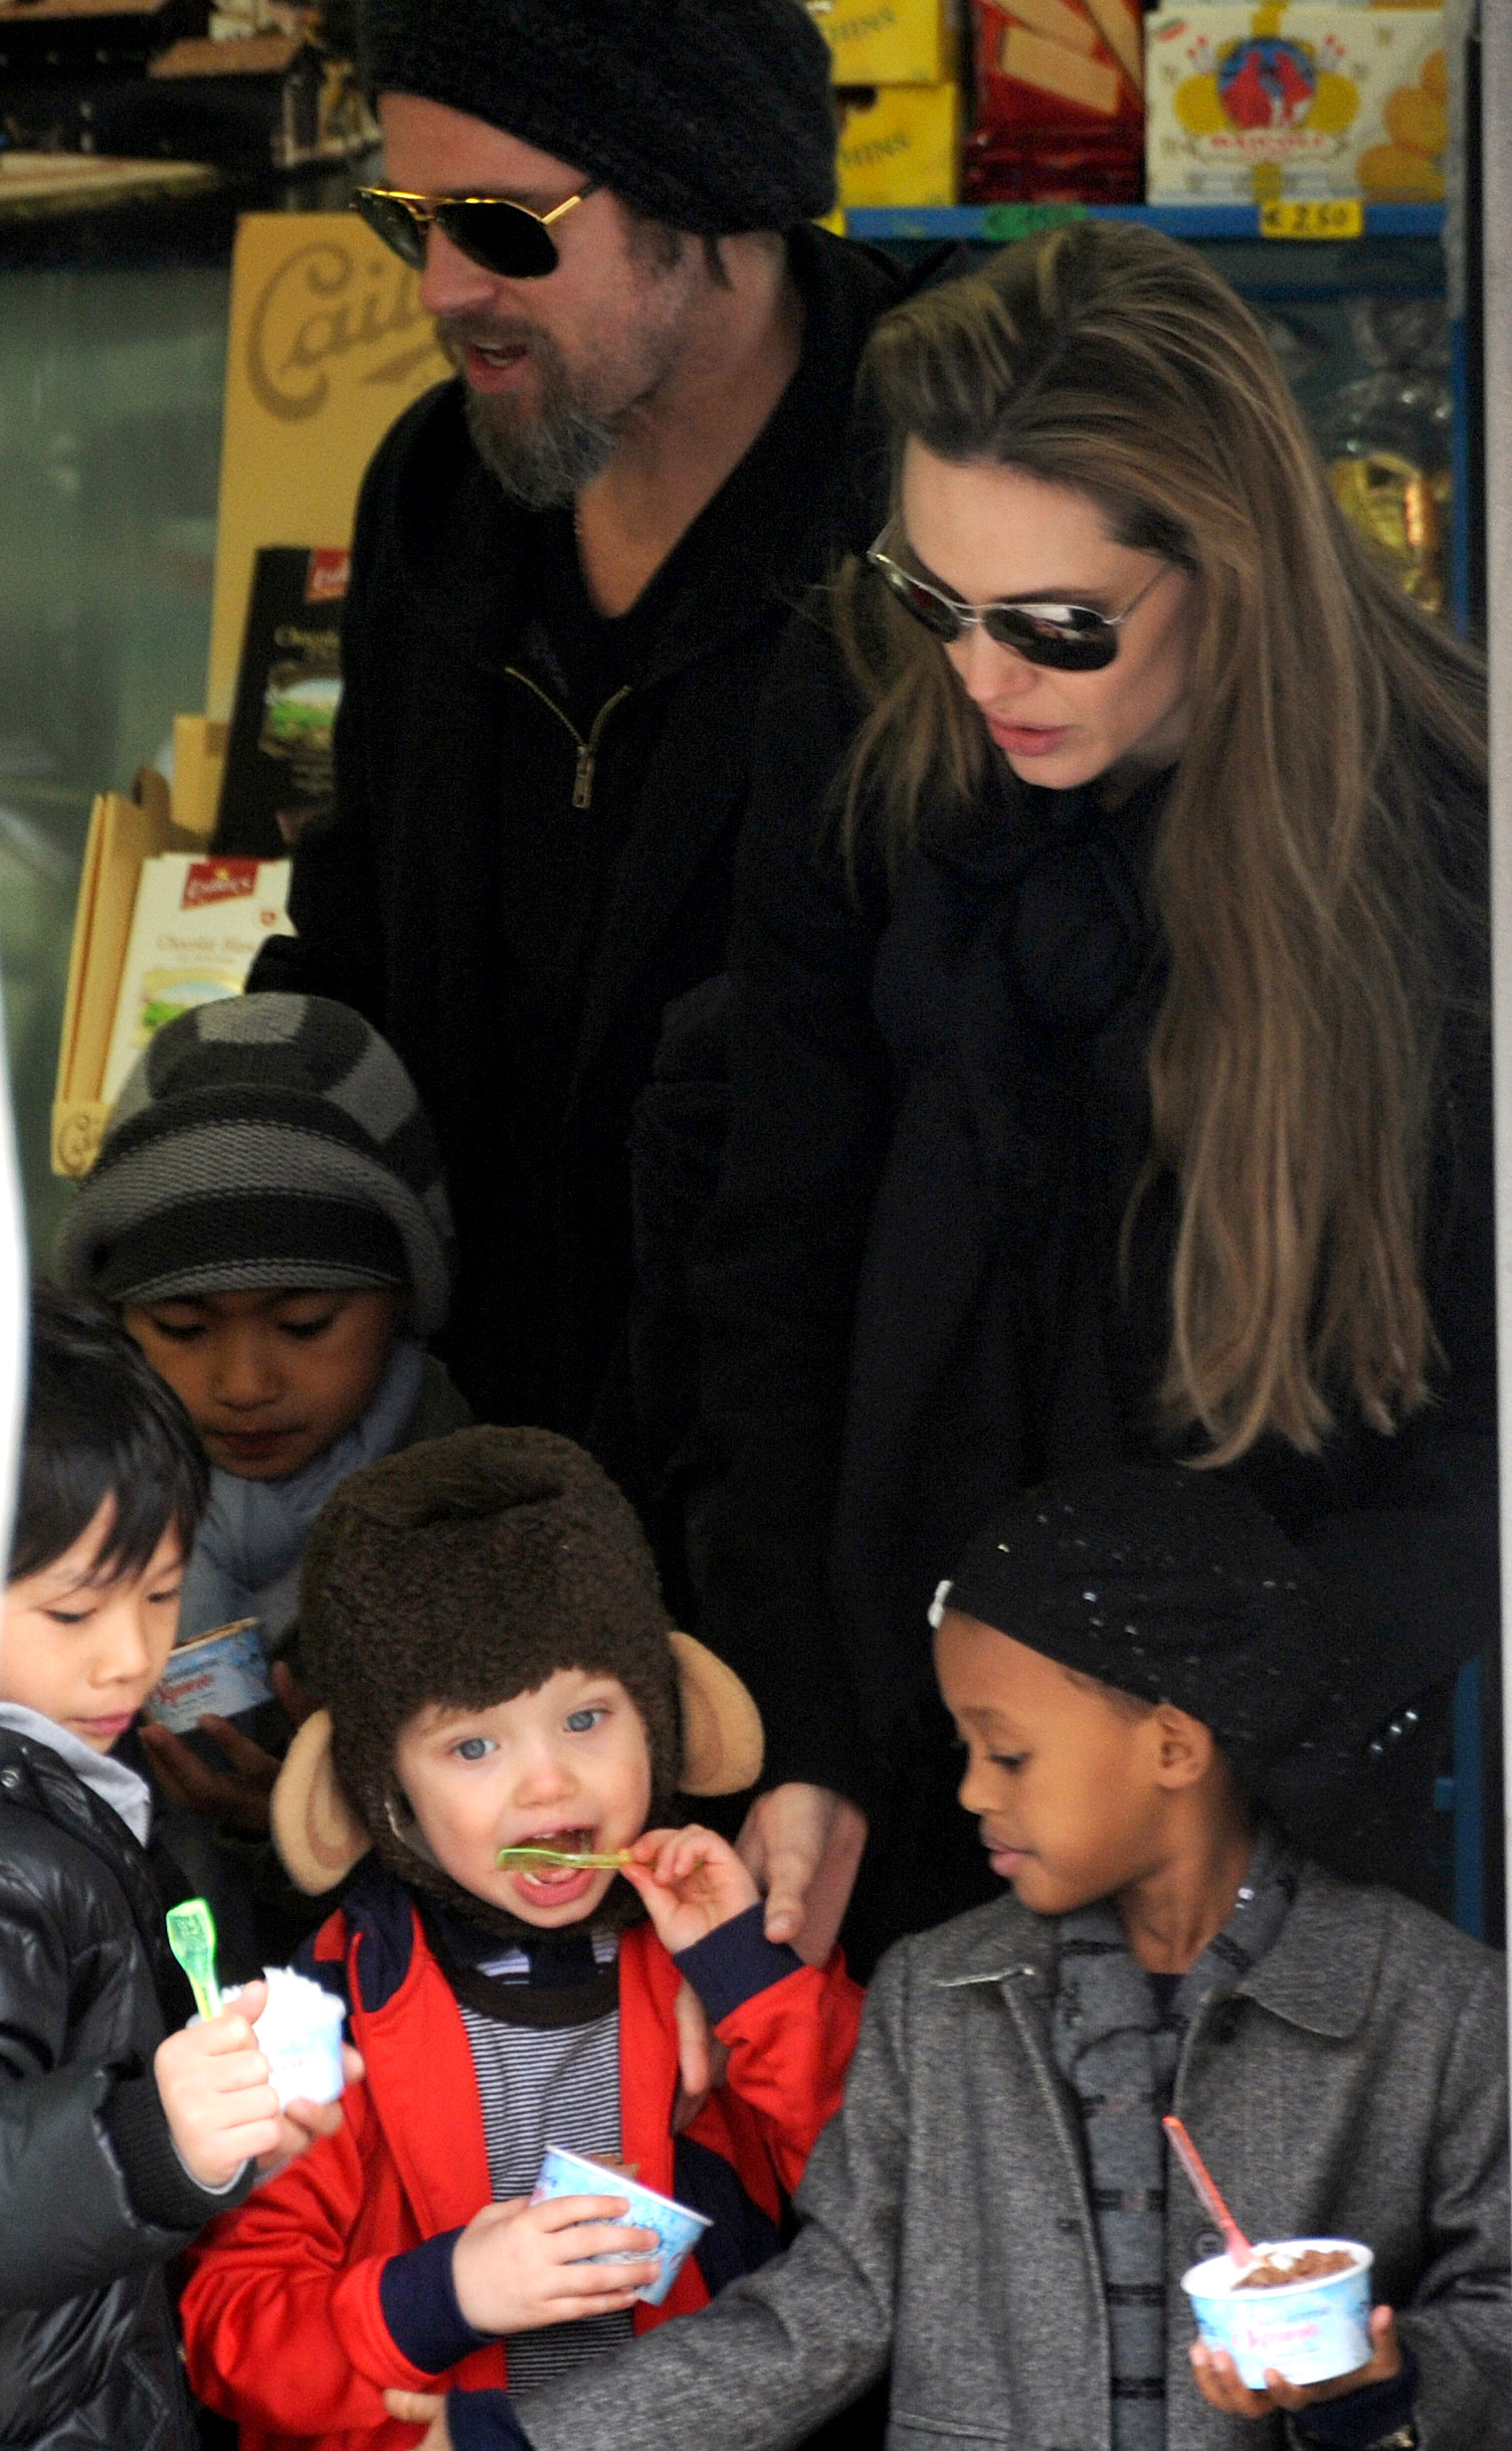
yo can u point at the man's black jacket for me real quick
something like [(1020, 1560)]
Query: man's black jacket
[(453, 750)]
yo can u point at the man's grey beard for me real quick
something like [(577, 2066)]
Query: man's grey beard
[(549, 457)]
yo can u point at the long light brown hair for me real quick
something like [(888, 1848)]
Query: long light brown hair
[(1316, 856)]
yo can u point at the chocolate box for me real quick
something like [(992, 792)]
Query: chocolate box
[(1060, 105), (886, 41), (1246, 104), (900, 145)]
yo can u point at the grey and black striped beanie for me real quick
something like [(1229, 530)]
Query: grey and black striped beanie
[(257, 1142)]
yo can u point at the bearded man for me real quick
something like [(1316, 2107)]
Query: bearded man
[(571, 567)]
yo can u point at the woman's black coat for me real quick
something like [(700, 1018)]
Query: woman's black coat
[(93, 2199), (909, 1293)]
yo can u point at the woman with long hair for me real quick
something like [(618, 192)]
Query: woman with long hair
[(1109, 1063)]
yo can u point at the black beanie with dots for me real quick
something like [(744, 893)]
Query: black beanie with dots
[(715, 115), (1177, 1586)]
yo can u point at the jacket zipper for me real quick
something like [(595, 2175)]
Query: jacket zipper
[(588, 750)]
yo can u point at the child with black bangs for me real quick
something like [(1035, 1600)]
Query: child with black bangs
[(119, 2136)]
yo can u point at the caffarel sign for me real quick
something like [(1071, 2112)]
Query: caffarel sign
[(329, 342), (328, 301)]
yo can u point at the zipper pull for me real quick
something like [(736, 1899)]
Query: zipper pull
[(582, 788)]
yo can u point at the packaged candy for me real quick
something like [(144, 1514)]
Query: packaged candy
[(1320, 98), (1059, 101), (1381, 407)]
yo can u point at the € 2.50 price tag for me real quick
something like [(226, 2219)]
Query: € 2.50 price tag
[(1321, 217)]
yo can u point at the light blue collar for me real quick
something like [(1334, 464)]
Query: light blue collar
[(109, 1779), (247, 1553)]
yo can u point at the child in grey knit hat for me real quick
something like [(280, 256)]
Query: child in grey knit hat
[(269, 1216)]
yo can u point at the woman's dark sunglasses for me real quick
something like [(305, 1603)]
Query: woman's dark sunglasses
[(501, 236), (1070, 638)]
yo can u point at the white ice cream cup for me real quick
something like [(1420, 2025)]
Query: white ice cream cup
[(677, 2228), (300, 2035), (1307, 2331)]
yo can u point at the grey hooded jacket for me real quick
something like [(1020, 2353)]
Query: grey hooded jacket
[(1354, 2086)]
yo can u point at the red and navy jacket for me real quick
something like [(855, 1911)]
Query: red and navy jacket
[(333, 2281)]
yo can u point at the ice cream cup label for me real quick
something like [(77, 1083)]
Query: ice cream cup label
[(224, 1671), (677, 2228), (1309, 2331)]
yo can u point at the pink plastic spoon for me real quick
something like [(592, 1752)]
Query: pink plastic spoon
[(1240, 2252)]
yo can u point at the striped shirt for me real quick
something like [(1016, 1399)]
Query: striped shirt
[(541, 2085)]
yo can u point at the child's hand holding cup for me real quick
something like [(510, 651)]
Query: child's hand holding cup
[(217, 2092), (519, 2265), (293, 2029), (1218, 2380)]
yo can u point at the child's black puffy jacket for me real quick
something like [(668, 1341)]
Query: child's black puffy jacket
[(93, 2199)]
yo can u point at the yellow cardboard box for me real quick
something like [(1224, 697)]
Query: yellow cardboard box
[(885, 42), (123, 831), (903, 147), (327, 344)]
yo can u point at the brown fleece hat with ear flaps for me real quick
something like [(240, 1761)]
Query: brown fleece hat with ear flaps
[(463, 1571)]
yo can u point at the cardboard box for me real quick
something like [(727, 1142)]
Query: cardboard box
[(901, 146), (1313, 100), (329, 343), (1059, 102), (196, 925), (281, 749), (123, 831), (886, 41)]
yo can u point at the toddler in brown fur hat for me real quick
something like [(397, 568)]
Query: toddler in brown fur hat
[(482, 1620)]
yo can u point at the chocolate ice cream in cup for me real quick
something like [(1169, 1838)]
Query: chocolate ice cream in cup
[(677, 2228), (300, 2035), (1309, 2330)]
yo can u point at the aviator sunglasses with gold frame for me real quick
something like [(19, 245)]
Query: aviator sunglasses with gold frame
[(503, 236)]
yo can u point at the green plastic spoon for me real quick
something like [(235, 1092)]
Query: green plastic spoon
[(520, 1859), (191, 1937)]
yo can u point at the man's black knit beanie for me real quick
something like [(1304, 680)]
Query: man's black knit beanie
[(1176, 1586), (711, 114)]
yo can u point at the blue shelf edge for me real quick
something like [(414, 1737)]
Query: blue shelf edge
[(1183, 221)]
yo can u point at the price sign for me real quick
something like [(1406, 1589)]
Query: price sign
[(1005, 224), (1313, 217)]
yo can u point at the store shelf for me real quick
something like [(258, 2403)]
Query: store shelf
[(998, 222)]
